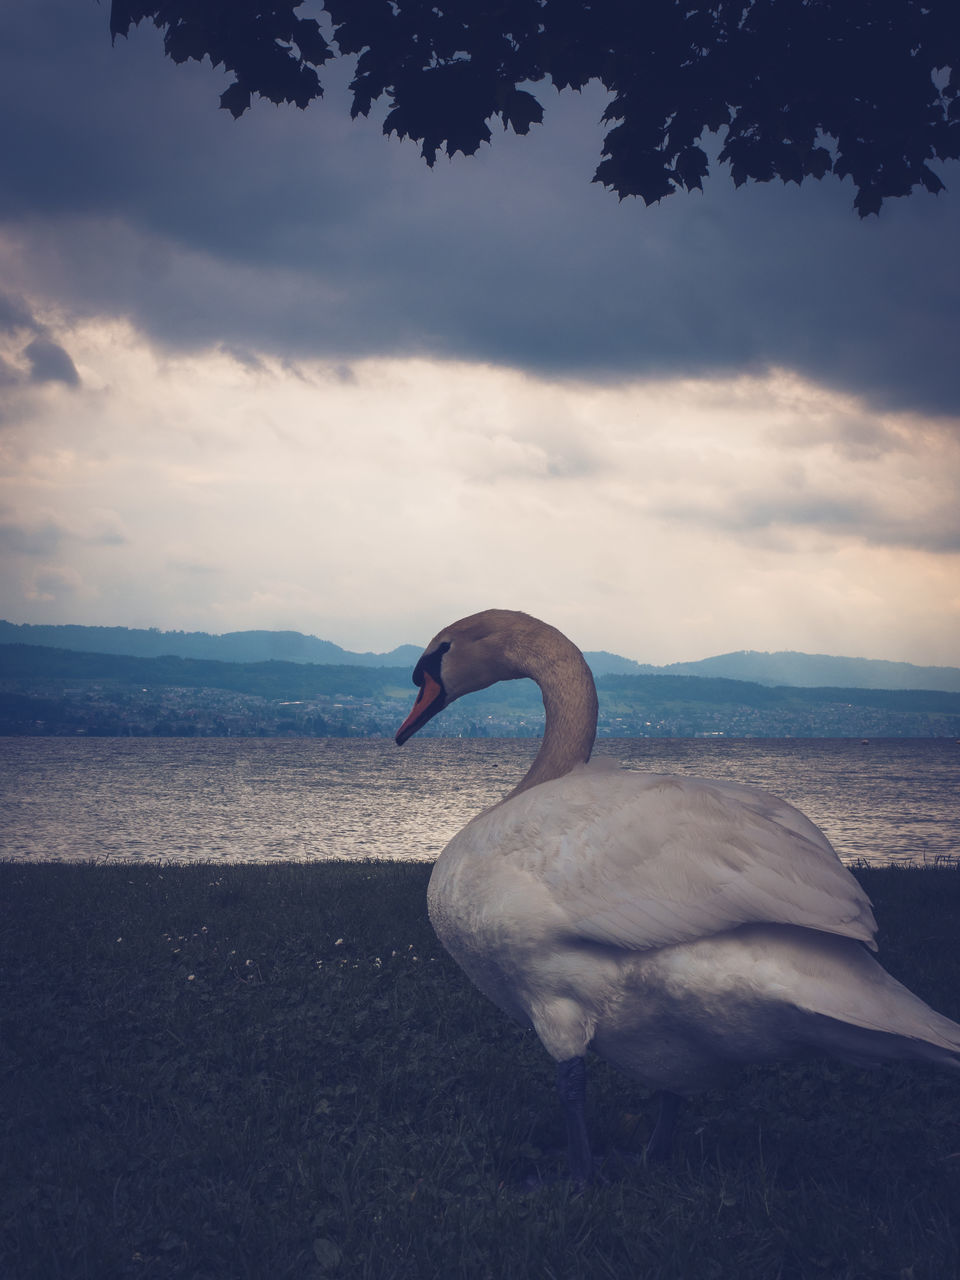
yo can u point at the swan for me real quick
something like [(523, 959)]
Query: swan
[(677, 926)]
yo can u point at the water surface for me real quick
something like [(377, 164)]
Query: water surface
[(240, 800)]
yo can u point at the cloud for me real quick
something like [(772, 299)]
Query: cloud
[(51, 585), (657, 519), (32, 355), (306, 234), (39, 534), (855, 436), (30, 539), (15, 314), (49, 362), (803, 464), (830, 517)]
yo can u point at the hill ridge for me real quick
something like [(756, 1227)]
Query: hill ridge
[(62, 691), (785, 667)]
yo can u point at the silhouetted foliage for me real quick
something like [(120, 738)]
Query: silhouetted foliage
[(866, 89)]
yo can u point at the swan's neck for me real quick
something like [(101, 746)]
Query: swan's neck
[(570, 704)]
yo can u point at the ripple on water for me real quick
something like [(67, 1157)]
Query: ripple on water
[(241, 800)]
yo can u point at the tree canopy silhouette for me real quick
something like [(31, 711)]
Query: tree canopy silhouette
[(866, 89)]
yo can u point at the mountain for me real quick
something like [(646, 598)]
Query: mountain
[(796, 670), (602, 663), (816, 671), (790, 669), (234, 646)]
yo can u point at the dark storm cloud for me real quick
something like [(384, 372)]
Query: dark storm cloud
[(49, 362), (15, 314), (301, 234)]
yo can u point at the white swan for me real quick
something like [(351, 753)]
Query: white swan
[(677, 926)]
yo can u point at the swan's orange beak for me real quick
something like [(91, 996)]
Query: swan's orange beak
[(430, 700)]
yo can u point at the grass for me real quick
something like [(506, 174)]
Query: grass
[(274, 1071)]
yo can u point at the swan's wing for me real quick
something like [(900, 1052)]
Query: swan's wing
[(646, 860)]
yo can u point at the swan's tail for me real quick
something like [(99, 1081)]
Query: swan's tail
[(824, 994), (937, 1040), (863, 1015)]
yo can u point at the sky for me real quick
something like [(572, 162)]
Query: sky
[(275, 373)]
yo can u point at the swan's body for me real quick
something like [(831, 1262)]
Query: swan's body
[(677, 926)]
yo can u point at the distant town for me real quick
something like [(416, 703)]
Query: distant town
[(46, 690)]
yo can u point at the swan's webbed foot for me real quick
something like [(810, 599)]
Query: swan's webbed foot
[(572, 1088)]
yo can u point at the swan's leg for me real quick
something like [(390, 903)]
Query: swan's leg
[(661, 1140), (572, 1088)]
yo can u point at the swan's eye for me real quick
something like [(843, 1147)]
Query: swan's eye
[(430, 663)]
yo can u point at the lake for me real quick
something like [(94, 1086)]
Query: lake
[(256, 800)]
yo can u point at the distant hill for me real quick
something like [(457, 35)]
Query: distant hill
[(50, 690), (792, 670), (234, 646), (796, 670), (817, 671), (602, 663)]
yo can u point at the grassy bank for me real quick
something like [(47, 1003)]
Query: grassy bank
[(273, 1071)]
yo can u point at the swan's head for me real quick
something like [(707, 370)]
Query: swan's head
[(469, 655)]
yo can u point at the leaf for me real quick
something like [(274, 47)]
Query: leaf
[(818, 162), (691, 168), (185, 41), (122, 17), (868, 201), (650, 181), (313, 48), (519, 110), (235, 99)]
